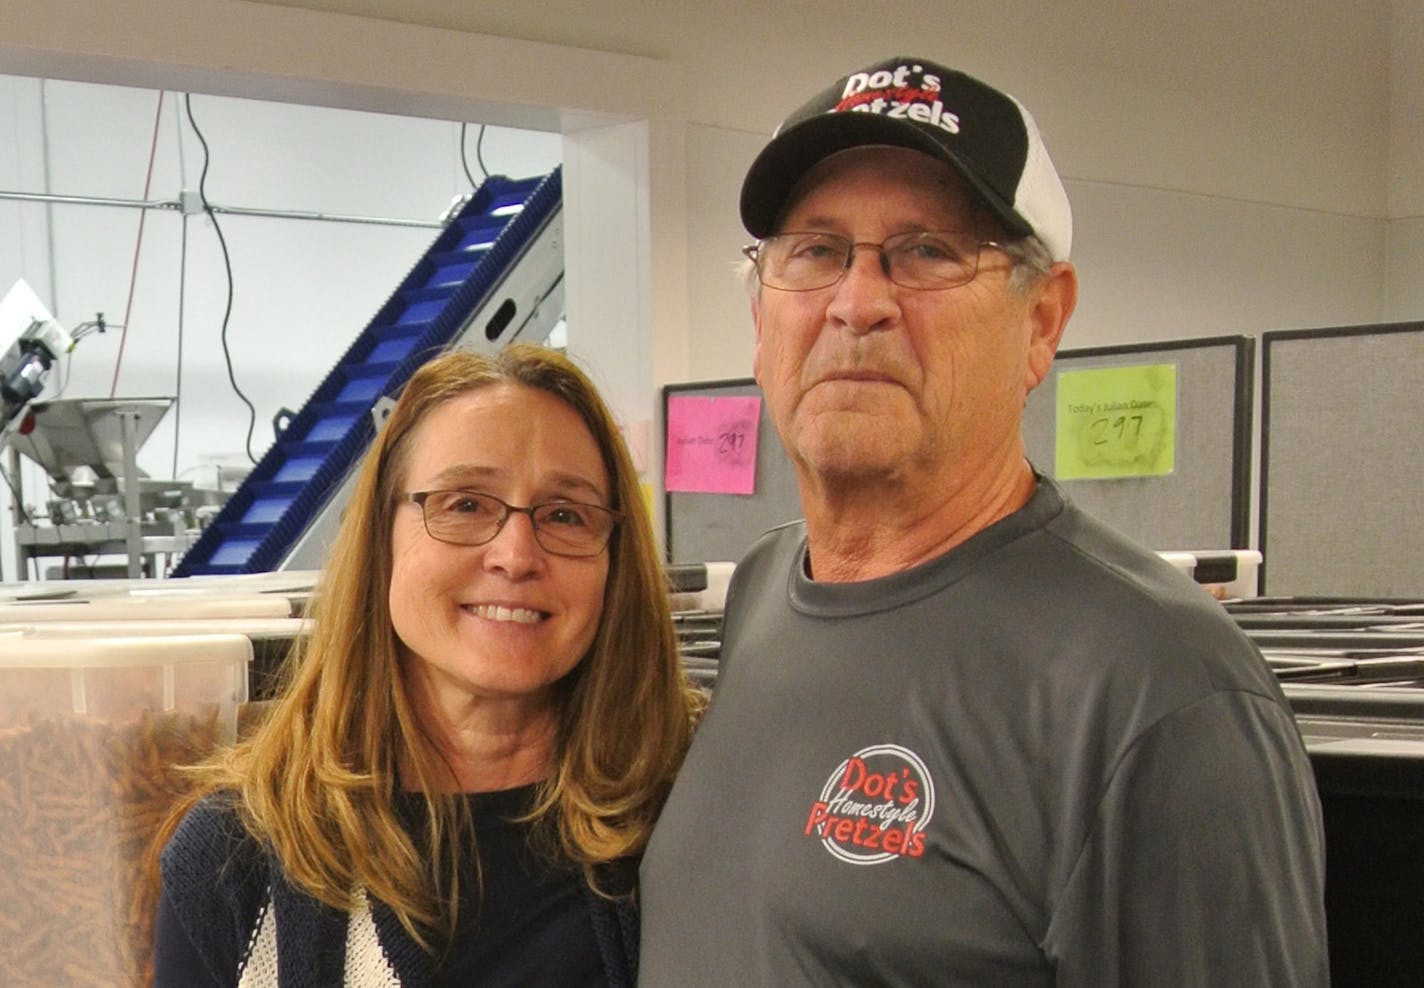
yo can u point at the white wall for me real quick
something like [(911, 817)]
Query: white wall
[(1227, 165), (1154, 264)]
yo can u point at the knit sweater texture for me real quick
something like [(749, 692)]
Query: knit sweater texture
[(222, 882)]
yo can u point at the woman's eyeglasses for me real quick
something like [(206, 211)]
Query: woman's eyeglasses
[(563, 528)]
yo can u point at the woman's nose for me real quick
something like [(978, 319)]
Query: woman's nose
[(514, 550)]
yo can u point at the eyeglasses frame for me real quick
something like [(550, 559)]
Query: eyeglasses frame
[(752, 252), (419, 498)]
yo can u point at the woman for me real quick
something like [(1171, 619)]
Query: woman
[(469, 753)]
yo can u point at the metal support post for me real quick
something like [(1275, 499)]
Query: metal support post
[(17, 514), (133, 527)]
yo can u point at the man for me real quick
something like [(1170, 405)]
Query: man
[(962, 733)]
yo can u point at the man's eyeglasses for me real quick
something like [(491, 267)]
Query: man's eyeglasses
[(563, 528), (804, 262)]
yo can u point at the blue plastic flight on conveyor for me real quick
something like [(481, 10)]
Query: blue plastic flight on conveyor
[(428, 312)]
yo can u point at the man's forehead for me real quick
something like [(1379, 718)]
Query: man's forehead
[(892, 168)]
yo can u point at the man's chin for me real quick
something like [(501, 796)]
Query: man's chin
[(850, 444)]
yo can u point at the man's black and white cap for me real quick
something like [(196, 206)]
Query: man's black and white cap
[(986, 135)]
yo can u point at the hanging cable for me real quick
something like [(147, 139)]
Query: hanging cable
[(63, 373), (91, 326), (84, 329), (464, 157), (138, 246), (178, 374), (182, 292), (227, 265)]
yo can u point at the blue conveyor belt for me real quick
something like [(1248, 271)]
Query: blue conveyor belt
[(300, 473)]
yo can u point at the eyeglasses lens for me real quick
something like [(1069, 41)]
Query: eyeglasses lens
[(802, 262), (564, 528)]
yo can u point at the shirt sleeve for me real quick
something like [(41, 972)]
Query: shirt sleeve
[(1205, 862), (176, 960)]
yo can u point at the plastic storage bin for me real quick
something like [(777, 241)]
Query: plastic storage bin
[(1232, 571), (155, 608), (90, 733)]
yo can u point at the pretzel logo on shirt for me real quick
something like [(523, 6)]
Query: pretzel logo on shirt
[(874, 807)]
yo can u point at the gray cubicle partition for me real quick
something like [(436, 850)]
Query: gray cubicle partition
[(1205, 502), (721, 527), (1342, 460)]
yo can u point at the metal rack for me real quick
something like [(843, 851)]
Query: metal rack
[(1353, 671)]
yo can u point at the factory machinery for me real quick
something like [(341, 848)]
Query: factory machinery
[(100, 502), (493, 275)]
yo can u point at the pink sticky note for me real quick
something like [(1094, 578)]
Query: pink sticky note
[(712, 444)]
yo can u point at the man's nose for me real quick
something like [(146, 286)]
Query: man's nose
[(865, 296)]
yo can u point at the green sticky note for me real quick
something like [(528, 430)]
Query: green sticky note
[(1117, 422)]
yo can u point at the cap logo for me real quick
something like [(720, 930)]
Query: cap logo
[(906, 92)]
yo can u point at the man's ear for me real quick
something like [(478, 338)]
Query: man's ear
[(1051, 304)]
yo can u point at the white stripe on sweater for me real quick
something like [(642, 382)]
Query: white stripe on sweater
[(366, 963)]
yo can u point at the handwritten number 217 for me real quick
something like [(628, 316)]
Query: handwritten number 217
[(730, 442)]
